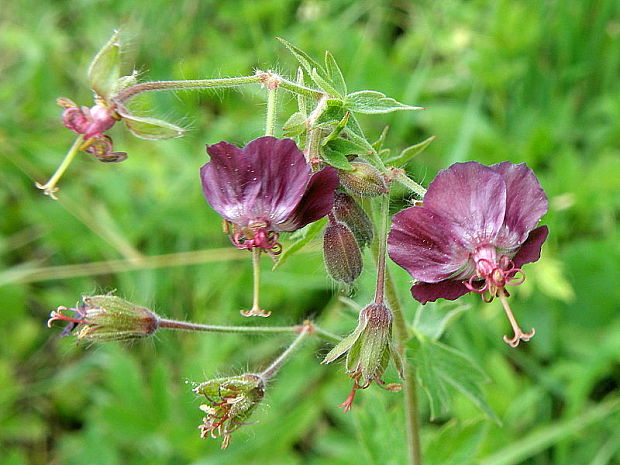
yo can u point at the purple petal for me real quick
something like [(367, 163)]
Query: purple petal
[(317, 201), (530, 250), (430, 292), (526, 203), (263, 181), (281, 169), (473, 197), (426, 245), (224, 180)]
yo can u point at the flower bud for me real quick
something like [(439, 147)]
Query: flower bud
[(343, 258), (364, 180), (350, 213), (230, 402), (103, 318)]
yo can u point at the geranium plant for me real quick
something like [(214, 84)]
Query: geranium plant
[(319, 174)]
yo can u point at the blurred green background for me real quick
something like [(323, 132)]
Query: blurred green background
[(533, 81)]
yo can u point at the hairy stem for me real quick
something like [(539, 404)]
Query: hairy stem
[(192, 84), (382, 245), (272, 99), (272, 369), (410, 184), (401, 333), (197, 327), (49, 188)]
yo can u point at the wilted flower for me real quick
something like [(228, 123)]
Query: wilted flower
[(347, 210), (264, 189), (230, 402), (369, 349), (111, 92), (473, 232), (341, 252), (103, 318)]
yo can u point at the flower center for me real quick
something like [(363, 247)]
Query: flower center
[(256, 235), (493, 273)]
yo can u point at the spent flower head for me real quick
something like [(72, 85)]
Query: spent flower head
[(369, 350), (264, 189), (229, 403), (103, 318), (473, 232), (111, 91)]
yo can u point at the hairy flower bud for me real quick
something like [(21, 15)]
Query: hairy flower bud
[(369, 349), (230, 402), (103, 318), (364, 180), (347, 210), (343, 258)]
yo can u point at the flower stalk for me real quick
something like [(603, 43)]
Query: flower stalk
[(275, 366), (49, 188), (402, 334)]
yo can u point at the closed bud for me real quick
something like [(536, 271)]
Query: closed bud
[(103, 318), (343, 258), (229, 403), (364, 180), (347, 210), (369, 350)]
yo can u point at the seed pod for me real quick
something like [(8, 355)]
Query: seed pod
[(364, 180), (343, 258), (347, 210)]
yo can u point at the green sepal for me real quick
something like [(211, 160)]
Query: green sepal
[(333, 156), (407, 154), (105, 69), (373, 102), (151, 128)]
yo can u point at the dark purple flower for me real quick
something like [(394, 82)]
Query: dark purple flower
[(473, 232), (264, 189)]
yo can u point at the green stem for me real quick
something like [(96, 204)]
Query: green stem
[(189, 326), (401, 333), (382, 244), (256, 310), (199, 84), (49, 188), (272, 369), (299, 89), (410, 184), (272, 99)]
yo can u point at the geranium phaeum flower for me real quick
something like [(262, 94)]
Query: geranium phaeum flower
[(473, 232), (264, 189)]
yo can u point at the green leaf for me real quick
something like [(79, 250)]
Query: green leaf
[(302, 101), (464, 440), (440, 366), (378, 144), (336, 158), (307, 234), (407, 154), (105, 69), (337, 129), (295, 125), (433, 319), (334, 74), (302, 57), (151, 128), (324, 84), (372, 102)]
